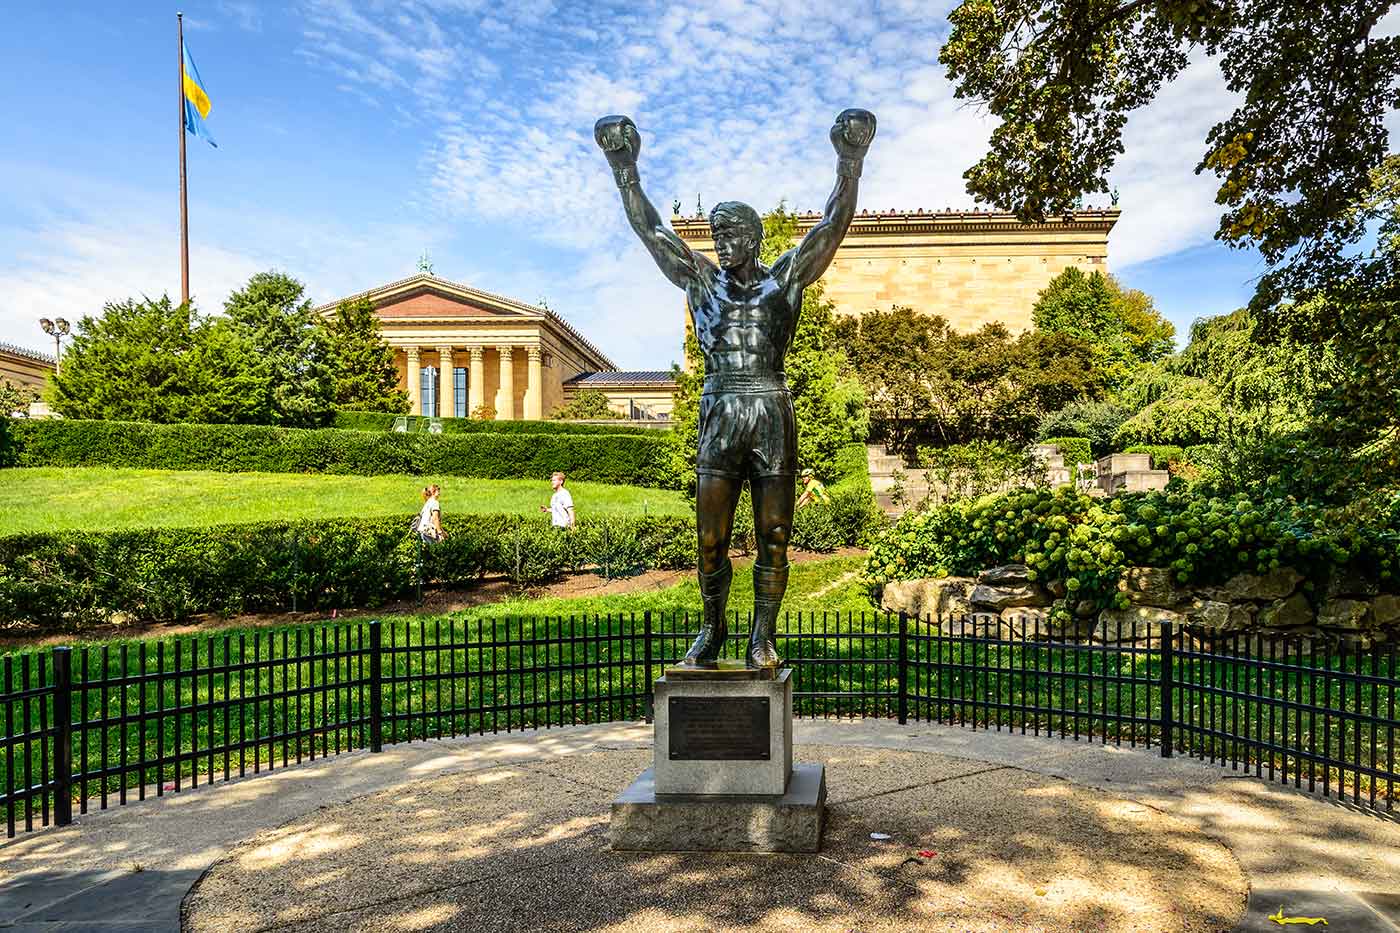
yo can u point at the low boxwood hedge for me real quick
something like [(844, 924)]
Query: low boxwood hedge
[(381, 421), (71, 579), (631, 459)]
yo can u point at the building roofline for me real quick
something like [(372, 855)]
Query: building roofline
[(486, 297), (948, 220), (26, 352)]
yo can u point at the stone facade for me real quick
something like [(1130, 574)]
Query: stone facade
[(970, 267), (24, 367)]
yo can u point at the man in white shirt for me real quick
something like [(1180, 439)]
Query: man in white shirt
[(561, 504)]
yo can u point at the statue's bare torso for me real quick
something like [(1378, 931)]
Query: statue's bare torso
[(744, 327)]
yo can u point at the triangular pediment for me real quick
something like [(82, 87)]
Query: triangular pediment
[(427, 296)]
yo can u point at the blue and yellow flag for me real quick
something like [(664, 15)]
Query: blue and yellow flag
[(196, 102)]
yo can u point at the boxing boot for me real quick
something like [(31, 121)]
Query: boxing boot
[(769, 585), (714, 596)]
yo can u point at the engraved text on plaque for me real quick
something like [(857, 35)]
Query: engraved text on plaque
[(718, 728)]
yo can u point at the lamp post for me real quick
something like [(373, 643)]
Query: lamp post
[(57, 329)]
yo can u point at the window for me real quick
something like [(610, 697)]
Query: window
[(459, 392), (430, 398)]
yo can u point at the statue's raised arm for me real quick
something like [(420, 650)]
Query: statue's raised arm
[(621, 143), (850, 135)]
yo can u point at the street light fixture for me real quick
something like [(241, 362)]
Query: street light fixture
[(57, 329)]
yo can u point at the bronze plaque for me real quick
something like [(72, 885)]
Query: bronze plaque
[(718, 728)]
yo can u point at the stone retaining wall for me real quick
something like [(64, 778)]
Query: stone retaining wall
[(1004, 602)]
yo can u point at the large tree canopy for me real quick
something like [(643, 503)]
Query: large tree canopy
[(284, 330), (1061, 76), (362, 363)]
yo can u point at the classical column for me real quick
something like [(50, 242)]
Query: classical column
[(534, 386), (476, 382), (415, 383), (447, 385), (505, 395)]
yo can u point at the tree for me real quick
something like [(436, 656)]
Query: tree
[(362, 364), (1121, 326), (895, 355), (15, 398), (588, 404), (1226, 384), (1061, 76), (152, 360), (289, 337), (928, 384)]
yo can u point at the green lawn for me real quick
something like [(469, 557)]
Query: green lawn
[(97, 498)]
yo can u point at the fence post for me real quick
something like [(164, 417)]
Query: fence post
[(376, 687), (903, 669), (1167, 713), (62, 736), (646, 652)]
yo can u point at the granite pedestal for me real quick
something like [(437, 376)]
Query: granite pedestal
[(722, 778)]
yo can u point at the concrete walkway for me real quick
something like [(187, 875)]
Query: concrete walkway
[(128, 868)]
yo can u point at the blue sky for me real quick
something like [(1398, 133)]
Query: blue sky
[(353, 136)]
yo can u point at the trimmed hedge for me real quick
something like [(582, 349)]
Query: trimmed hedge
[(1075, 450), (72, 579), (381, 421), (630, 459)]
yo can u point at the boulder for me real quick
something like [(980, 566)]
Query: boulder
[(1209, 613), (1241, 617), (1057, 588), (927, 597), (1385, 610), (1287, 613), (1085, 609), (1346, 614), (1151, 586), (1135, 623), (986, 596), (1276, 584), (1350, 583), (1022, 622), (1006, 575)]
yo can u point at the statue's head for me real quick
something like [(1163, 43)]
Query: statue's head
[(737, 230)]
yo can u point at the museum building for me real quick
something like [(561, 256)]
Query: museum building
[(970, 267), (463, 352)]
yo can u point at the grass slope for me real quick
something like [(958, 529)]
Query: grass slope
[(97, 498)]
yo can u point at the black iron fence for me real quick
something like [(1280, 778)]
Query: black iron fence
[(95, 726)]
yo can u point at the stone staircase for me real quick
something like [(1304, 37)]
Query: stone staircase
[(1111, 475), (884, 468)]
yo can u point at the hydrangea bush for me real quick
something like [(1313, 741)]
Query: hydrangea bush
[(1085, 542)]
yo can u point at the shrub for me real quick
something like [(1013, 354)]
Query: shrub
[(1086, 542), (617, 458), (71, 579), (976, 468), (1098, 421), (379, 421), (1074, 449)]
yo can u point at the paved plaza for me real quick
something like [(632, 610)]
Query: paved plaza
[(510, 831)]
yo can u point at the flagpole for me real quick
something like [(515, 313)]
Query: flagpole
[(184, 200)]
